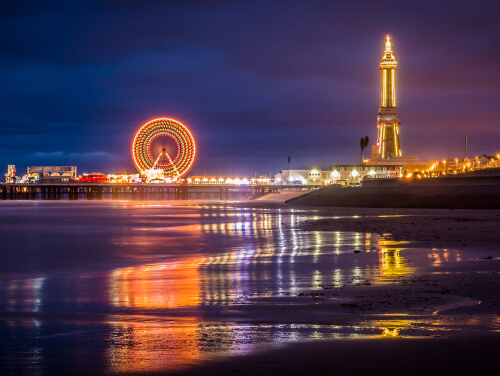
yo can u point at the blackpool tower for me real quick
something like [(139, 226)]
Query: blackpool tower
[(388, 146), (387, 150)]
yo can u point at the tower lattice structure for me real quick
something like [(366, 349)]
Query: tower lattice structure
[(388, 146)]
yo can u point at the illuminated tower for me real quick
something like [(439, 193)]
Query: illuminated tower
[(387, 146)]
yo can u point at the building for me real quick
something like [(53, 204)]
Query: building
[(10, 176), (467, 164), (337, 174), (313, 176), (387, 150), (347, 174), (51, 174), (94, 177), (486, 161)]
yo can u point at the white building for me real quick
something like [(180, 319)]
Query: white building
[(345, 174), (313, 176), (338, 174)]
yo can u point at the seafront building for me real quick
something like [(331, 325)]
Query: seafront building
[(10, 175), (337, 174), (51, 174)]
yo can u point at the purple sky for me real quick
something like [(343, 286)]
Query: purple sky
[(255, 81)]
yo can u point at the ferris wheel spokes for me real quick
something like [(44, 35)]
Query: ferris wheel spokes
[(171, 162), (156, 162), (173, 165)]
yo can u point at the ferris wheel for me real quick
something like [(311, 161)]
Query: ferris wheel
[(164, 144)]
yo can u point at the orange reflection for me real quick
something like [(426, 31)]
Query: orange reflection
[(384, 242), (150, 347), (391, 263), (137, 346), (393, 327), (390, 332), (169, 285)]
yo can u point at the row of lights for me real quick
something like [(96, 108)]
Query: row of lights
[(467, 165)]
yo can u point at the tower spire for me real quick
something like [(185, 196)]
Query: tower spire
[(388, 45)]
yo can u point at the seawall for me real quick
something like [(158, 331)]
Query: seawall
[(469, 192)]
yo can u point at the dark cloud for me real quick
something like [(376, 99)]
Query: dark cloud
[(256, 81)]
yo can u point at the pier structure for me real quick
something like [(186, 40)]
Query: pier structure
[(10, 191)]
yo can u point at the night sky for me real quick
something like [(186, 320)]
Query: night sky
[(255, 81)]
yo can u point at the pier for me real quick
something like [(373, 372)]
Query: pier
[(89, 191)]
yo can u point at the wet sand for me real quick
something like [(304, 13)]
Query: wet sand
[(435, 321), (434, 228), (434, 355), (247, 288)]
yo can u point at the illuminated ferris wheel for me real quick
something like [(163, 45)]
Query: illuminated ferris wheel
[(164, 144)]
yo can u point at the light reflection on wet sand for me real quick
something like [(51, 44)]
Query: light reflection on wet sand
[(140, 347), (191, 275), (170, 285)]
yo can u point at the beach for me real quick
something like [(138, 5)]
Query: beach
[(201, 288), (460, 306)]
